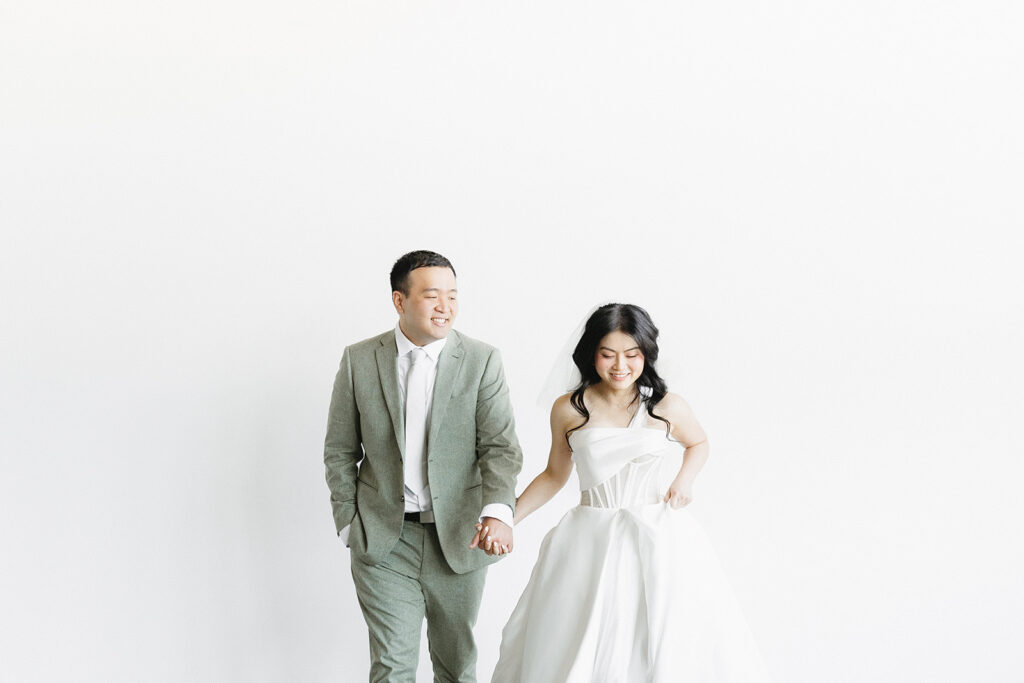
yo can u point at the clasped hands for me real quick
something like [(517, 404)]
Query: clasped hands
[(493, 536)]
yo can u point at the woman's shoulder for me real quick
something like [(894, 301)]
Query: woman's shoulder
[(562, 405), (562, 410), (672, 406)]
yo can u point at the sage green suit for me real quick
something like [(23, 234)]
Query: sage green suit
[(473, 458)]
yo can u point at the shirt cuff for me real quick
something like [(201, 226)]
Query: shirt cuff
[(500, 511), (343, 535)]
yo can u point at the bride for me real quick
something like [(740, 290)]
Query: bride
[(626, 587)]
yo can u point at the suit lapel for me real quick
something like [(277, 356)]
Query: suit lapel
[(448, 368), (387, 357)]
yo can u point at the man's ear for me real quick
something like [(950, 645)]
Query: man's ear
[(398, 299)]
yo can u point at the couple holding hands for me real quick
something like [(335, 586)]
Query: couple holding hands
[(421, 448)]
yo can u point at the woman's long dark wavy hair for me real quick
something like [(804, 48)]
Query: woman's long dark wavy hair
[(635, 322)]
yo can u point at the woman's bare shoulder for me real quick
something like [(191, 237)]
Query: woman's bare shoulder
[(562, 410), (673, 407)]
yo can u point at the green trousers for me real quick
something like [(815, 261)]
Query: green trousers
[(414, 582)]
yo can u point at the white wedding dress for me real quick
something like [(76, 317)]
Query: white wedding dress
[(626, 589)]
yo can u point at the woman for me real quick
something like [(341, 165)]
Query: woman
[(626, 587)]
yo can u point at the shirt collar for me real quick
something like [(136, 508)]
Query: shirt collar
[(433, 349)]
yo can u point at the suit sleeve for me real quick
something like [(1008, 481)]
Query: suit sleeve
[(343, 446), (497, 449)]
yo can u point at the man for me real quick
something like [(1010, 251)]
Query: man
[(421, 446)]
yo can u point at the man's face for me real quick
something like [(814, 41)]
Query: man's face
[(426, 314)]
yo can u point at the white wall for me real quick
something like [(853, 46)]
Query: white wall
[(819, 203)]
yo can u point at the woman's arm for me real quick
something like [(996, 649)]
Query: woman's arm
[(687, 431), (549, 482)]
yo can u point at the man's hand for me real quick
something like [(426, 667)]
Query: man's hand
[(493, 536)]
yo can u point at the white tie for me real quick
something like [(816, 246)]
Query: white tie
[(416, 422)]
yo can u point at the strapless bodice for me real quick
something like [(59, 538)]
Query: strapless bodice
[(624, 466)]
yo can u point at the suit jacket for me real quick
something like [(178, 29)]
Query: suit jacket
[(473, 455)]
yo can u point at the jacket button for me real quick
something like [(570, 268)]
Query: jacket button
[(402, 499)]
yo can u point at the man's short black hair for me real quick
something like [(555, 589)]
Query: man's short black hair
[(410, 262)]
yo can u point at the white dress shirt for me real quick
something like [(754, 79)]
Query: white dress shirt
[(417, 501), (420, 501)]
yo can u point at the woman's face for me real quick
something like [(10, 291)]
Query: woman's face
[(618, 360)]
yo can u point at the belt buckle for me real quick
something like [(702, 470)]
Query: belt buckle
[(423, 516)]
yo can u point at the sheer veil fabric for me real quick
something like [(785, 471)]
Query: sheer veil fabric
[(563, 376)]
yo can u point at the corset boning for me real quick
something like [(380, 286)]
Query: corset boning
[(638, 483)]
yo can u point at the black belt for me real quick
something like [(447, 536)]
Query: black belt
[(419, 517)]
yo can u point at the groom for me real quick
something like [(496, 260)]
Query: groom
[(421, 445)]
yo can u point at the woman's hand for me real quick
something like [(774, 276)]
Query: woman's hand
[(679, 494), (493, 537)]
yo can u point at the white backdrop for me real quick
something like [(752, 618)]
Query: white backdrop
[(818, 201)]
